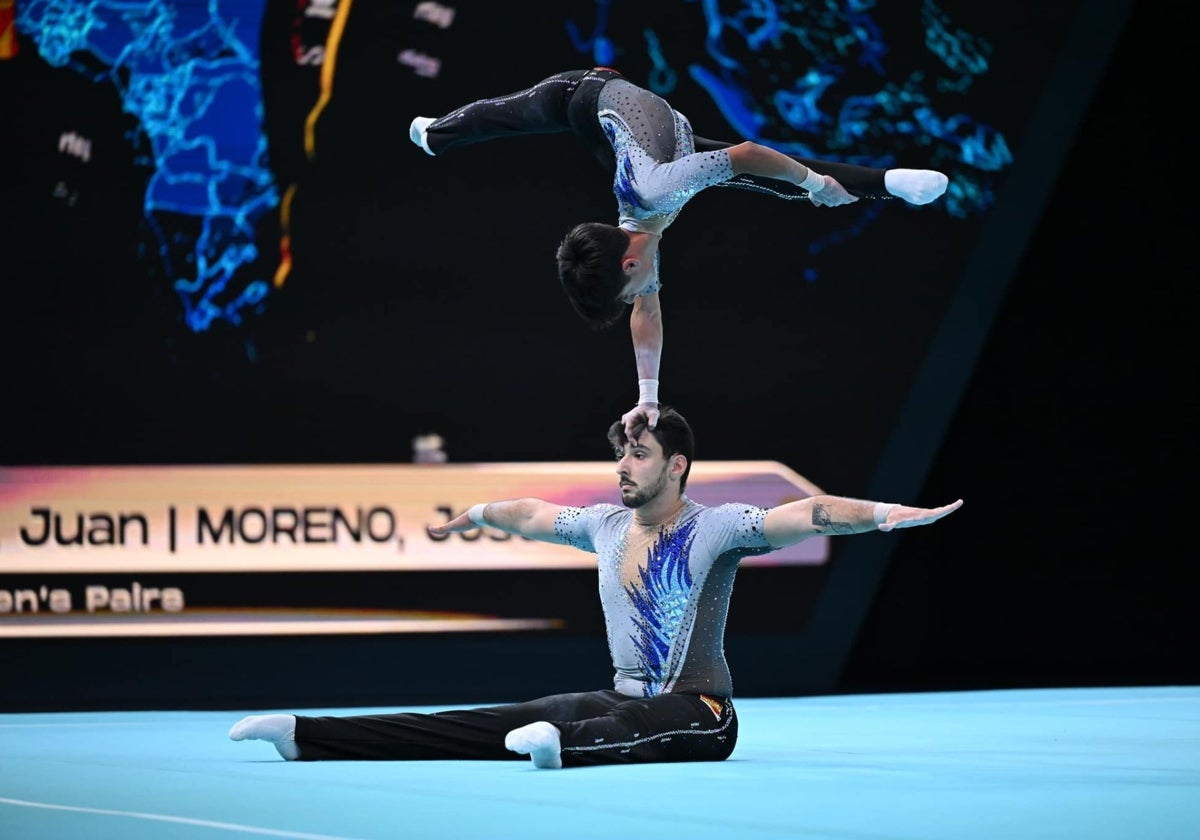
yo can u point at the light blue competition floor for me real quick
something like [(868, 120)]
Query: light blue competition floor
[(1084, 764)]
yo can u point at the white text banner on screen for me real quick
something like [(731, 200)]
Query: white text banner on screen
[(241, 518)]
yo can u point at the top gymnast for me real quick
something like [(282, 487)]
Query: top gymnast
[(658, 165)]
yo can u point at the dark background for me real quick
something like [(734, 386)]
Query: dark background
[(1072, 446), (1073, 562)]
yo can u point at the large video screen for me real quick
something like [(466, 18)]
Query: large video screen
[(235, 287)]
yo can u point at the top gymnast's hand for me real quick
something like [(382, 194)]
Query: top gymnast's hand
[(832, 194), (638, 419)]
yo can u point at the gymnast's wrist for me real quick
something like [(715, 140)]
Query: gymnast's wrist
[(475, 514), (813, 181), (647, 392), (880, 514)]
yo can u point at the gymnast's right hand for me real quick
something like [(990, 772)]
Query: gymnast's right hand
[(462, 522)]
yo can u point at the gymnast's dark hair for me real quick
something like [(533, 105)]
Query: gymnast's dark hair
[(672, 432), (589, 267)]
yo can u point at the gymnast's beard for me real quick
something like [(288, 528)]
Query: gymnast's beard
[(635, 497)]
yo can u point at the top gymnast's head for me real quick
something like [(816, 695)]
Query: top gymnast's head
[(602, 269)]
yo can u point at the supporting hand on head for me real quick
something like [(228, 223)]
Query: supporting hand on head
[(638, 419)]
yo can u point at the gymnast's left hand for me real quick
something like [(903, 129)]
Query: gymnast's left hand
[(903, 516)]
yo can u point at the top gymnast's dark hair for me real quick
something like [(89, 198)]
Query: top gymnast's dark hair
[(589, 266), (672, 432)]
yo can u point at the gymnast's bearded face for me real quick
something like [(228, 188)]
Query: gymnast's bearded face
[(643, 472)]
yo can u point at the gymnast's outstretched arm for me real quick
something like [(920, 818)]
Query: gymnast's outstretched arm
[(646, 325), (532, 518), (755, 159), (916, 186), (792, 522)]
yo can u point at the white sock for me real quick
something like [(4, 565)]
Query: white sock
[(540, 741), (416, 133), (916, 186), (280, 730)]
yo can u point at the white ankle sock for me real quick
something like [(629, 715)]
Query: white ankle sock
[(916, 186), (280, 730), (416, 133), (540, 741)]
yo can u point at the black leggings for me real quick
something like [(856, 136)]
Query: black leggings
[(544, 108), (566, 101), (597, 727)]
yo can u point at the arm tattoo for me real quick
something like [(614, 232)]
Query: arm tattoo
[(822, 521)]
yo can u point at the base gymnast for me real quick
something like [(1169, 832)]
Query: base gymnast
[(666, 567)]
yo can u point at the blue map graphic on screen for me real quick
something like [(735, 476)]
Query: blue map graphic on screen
[(189, 73)]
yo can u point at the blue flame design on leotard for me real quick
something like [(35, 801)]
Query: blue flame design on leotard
[(623, 182), (660, 602)]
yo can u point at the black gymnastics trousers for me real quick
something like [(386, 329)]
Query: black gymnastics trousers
[(596, 727)]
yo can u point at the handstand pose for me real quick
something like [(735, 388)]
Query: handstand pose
[(666, 566), (657, 165)]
